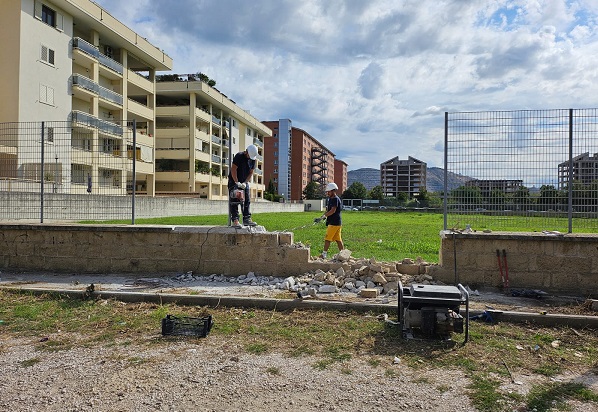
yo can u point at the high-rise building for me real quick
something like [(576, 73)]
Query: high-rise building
[(402, 176), (71, 61), (198, 132), (293, 158), (584, 170), (340, 175)]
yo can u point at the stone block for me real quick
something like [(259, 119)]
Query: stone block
[(369, 293), (407, 269), (285, 238)]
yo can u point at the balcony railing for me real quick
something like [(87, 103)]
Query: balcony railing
[(90, 49), (88, 84), (215, 158), (257, 172), (216, 139), (216, 120), (92, 121), (258, 143)]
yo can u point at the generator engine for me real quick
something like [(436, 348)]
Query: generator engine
[(433, 311)]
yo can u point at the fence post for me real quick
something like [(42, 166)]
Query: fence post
[(445, 168), (570, 183), (41, 206), (134, 171)]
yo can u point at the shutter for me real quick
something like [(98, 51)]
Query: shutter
[(43, 93), (44, 55), (50, 96), (59, 21), (38, 9)]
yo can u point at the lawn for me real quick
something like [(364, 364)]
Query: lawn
[(379, 235)]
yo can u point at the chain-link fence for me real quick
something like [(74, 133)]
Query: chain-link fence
[(80, 169), (527, 170)]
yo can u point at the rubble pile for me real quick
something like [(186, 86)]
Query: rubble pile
[(367, 278)]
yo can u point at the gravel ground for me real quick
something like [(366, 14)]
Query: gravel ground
[(209, 375), (212, 374)]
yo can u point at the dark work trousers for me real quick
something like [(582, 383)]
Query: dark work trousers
[(234, 206)]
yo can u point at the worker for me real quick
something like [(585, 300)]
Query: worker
[(333, 219), (238, 178)]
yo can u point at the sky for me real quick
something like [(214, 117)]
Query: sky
[(372, 79)]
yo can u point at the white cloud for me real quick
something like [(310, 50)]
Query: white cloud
[(372, 79)]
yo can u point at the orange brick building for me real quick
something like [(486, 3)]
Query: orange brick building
[(293, 158)]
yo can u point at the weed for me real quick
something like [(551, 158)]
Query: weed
[(29, 362), (257, 348), (543, 398), (273, 370), (484, 394), (374, 362)]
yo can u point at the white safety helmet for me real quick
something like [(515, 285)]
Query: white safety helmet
[(252, 151), (331, 186)]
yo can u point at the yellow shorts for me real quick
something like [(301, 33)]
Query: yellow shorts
[(333, 233)]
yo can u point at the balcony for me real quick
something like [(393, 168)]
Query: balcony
[(258, 172), (215, 159), (91, 86), (258, 143), (103, 126), (216, 139), (216, 120), (91, 50)]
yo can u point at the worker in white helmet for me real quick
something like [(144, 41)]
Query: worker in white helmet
[(238, 179), (333, 219)]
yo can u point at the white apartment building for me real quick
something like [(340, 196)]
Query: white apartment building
[(198, 131), (70, 61)]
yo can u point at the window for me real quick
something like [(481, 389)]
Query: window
[(49, 134), (48, 15), (275, 153), (47, 55), (46, 94), (275, 144)]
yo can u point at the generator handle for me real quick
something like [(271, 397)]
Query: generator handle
[(466, 295), (400, 307)]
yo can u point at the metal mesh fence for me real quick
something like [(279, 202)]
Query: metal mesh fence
[(528, 170), (80, 169)]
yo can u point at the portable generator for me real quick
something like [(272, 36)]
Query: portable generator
[(433, 311)]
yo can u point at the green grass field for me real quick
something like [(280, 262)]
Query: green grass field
[(383, 236)]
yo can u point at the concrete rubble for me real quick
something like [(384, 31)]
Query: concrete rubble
[(367, 278)]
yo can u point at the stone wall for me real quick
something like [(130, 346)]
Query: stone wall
[(546, 261), (149, 249)]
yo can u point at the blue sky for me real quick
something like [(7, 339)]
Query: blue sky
[(372, 79)]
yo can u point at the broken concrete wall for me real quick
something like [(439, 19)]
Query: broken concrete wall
[(149, 249), (547, 261)]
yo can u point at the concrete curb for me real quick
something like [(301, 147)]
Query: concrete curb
[(577, 321)]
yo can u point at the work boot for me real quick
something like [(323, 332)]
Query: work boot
[(236, 223), (248, 222)]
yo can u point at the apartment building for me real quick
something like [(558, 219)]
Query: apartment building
[(198, 132), (71, 62), (583, 169), (487, 186), (294, 158), (340, 175), (402, 176)]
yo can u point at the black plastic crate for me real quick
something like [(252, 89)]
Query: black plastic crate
[(186, 326)]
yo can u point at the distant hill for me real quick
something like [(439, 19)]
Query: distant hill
[(435, 179), (368, 176)]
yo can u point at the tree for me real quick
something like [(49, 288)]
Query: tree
[(376, 193), (402, 198), (423, 197), (356, 191), (312, 191), (521, 196), (466, 196), (271, 188)]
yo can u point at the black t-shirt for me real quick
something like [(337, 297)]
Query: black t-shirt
[(244, 166), (335, 218)]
